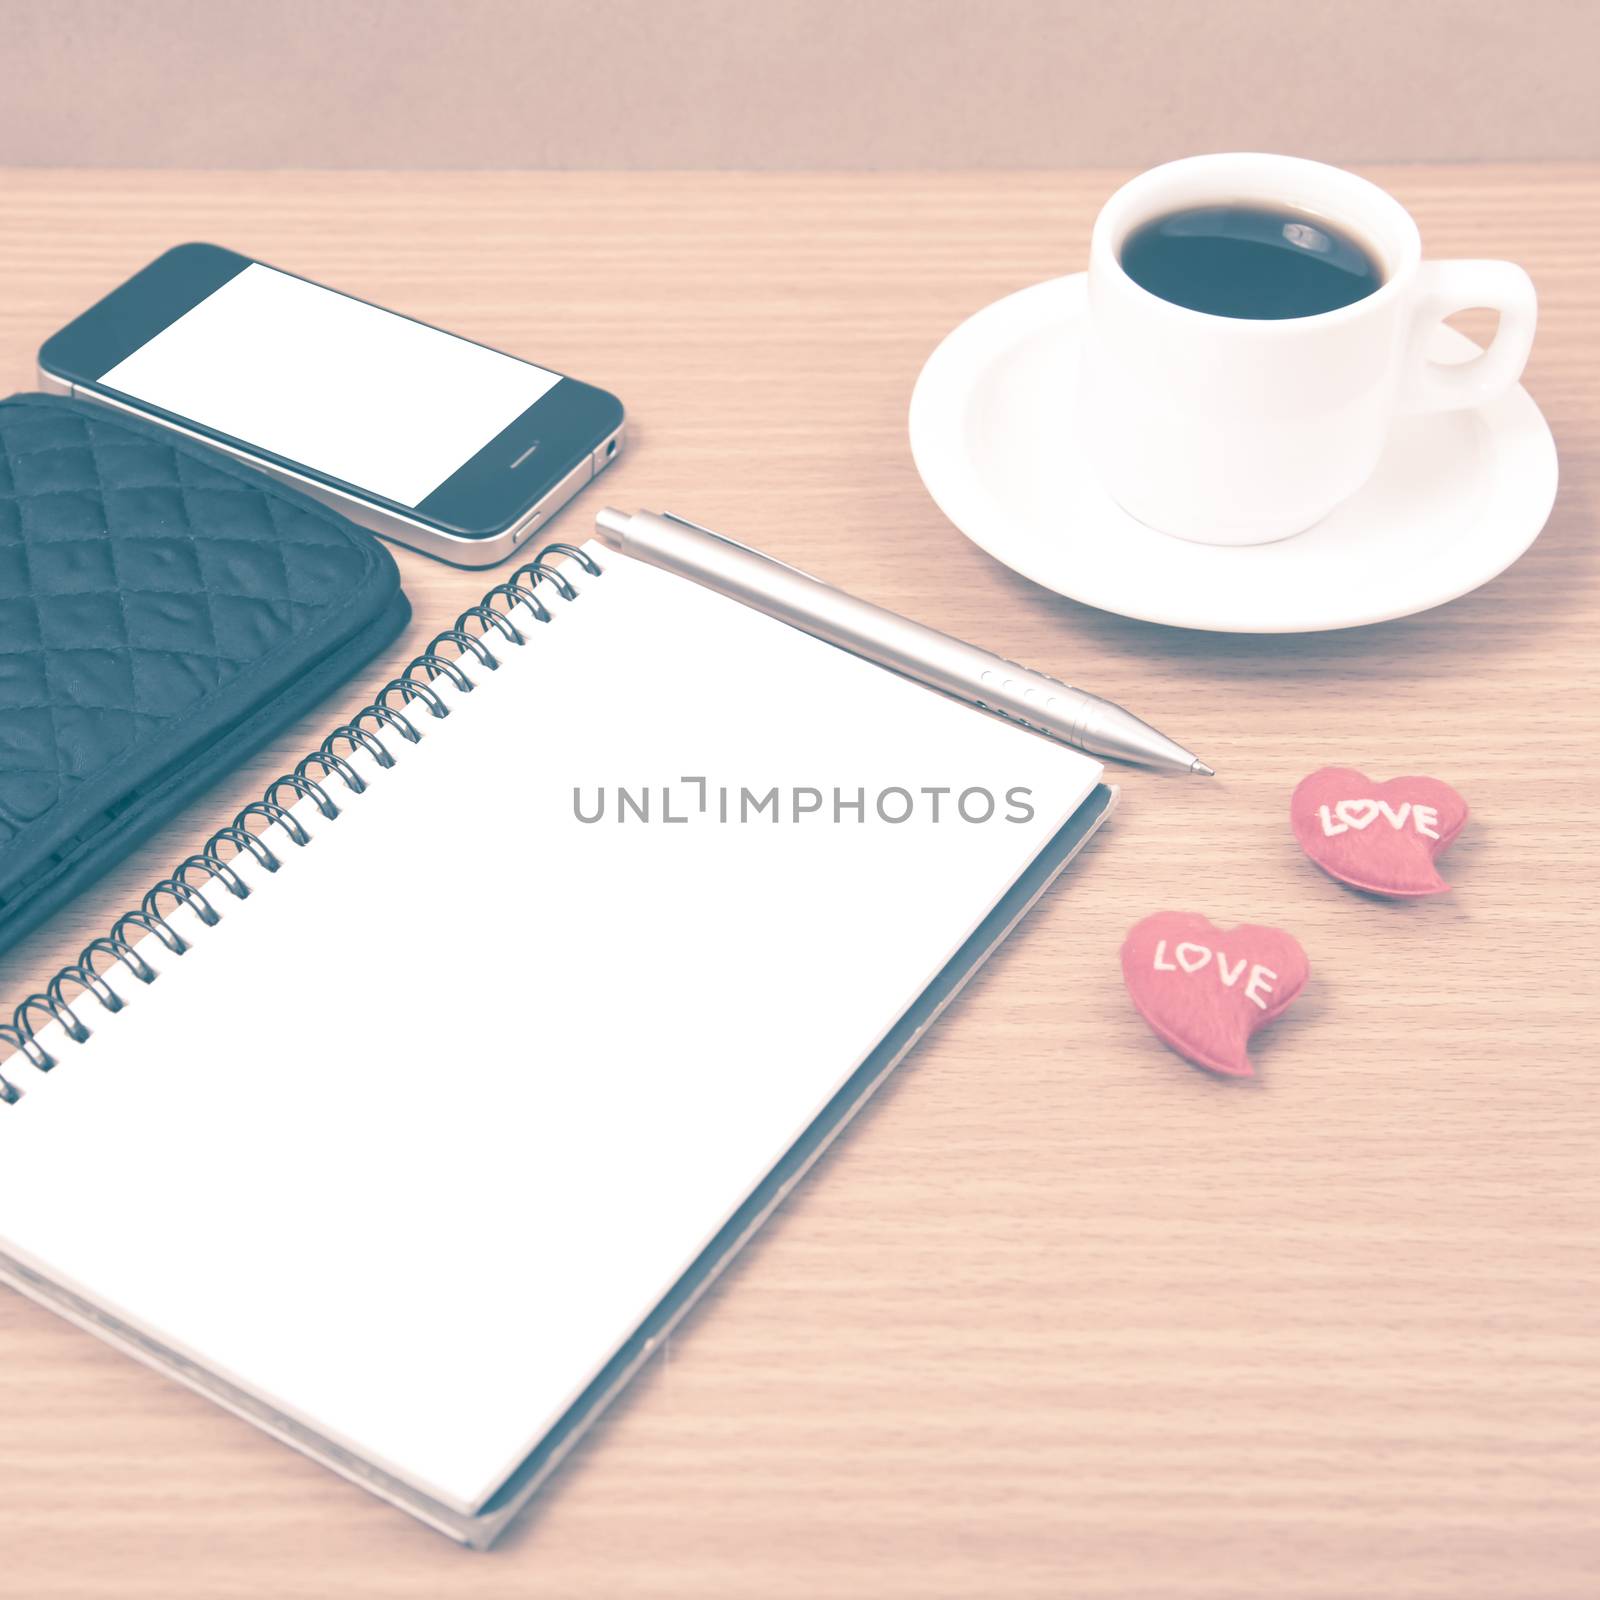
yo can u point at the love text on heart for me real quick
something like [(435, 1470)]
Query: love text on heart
[(1359, 814), (1192, 958)]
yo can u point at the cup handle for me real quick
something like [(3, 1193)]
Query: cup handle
[(1446, 287)]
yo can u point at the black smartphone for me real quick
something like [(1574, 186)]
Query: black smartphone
[(427, 438)]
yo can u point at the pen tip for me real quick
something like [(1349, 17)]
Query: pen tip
[(1203, 769)]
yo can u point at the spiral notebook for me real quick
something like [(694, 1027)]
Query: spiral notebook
[(408, 1117)]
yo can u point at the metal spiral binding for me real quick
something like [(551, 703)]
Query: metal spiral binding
[(327, 763)]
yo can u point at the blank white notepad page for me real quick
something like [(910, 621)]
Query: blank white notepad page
[(412, 1140)]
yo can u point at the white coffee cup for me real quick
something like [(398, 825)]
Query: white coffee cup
[(1226, 430)]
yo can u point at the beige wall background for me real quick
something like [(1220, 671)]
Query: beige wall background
[(790, 83)]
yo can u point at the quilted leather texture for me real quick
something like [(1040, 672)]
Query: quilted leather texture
[(153, 595)]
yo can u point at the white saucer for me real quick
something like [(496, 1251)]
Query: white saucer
[(1456, 499)]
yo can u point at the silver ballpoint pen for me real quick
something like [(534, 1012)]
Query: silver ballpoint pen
[(987, 681)]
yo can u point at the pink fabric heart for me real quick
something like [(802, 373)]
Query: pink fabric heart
[(1380, 837), (1205, 992)]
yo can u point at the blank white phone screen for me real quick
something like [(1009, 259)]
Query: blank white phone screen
[(349, 390)]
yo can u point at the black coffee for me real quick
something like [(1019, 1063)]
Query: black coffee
[(1250, 261)]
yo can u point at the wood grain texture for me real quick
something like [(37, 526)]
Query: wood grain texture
[(1059, 1316)]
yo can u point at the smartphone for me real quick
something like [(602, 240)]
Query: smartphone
[(427, 438)]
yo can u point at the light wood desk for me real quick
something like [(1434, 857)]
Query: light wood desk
[(1060, 1316)]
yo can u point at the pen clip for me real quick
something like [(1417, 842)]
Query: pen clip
[(700, 527)]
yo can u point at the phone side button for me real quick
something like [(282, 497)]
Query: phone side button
[(561, 493)]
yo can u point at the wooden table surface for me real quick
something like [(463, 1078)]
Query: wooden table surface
[(1059, 1316)]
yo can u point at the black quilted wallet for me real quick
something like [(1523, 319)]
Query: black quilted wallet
[(164, 612)]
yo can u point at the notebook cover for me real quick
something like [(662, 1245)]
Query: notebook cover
[(164, 612), (480, 1531)]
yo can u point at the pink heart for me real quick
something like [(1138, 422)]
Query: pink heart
[(1380, 837), (1206, 1007)]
